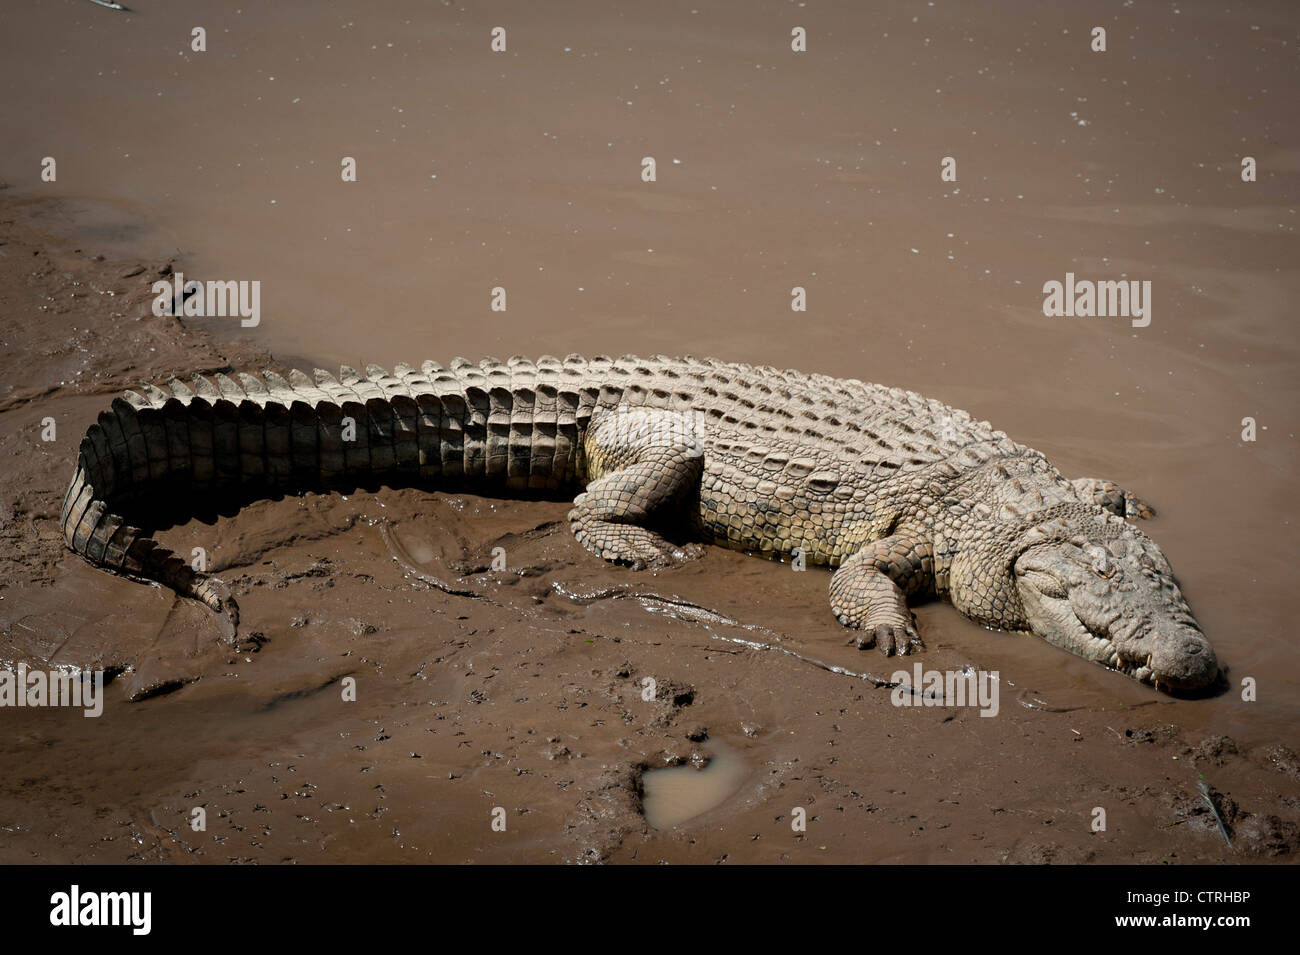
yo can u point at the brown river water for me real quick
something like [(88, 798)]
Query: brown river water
[(774, 169)]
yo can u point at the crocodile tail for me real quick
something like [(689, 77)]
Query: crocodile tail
[(93, 528), (514, 425)]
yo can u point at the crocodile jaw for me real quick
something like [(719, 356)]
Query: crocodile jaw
[(1136, 623)]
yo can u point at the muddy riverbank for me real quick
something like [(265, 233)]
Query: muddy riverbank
[(524, 694)]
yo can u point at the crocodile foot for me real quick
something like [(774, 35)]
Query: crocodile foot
[(889, 639), (638, 547), (866, 597), (1113, 498)]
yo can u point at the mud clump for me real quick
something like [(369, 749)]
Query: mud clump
[(1215, 750)]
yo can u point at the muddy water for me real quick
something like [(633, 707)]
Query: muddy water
[(677, 794), (522, 170)]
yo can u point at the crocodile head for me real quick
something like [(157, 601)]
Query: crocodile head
[(1104, 591)]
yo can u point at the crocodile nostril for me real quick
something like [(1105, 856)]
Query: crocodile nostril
[(1184, 660)]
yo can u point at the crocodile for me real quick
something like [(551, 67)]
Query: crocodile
[(901, 494)]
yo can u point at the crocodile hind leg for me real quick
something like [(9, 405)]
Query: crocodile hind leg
[(649, 466), (869, 592), (1111, 496)]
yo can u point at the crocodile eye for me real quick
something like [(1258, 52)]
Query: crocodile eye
[(1102, 565)]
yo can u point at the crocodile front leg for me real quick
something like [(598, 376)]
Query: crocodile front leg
[(649, 465), (869, 592), (1111, 496)]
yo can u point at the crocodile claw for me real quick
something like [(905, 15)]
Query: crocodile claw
[(889, 639)]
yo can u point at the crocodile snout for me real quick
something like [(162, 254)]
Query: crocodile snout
[(1182, 659)]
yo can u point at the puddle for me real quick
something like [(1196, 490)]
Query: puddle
[(420, 549), (680, 793)]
